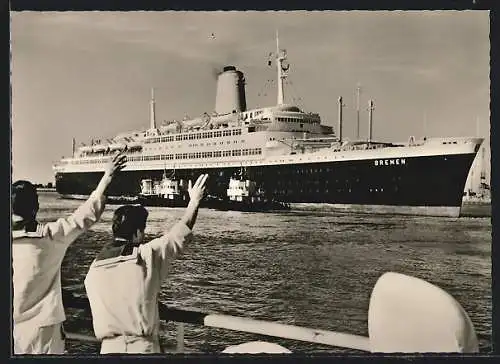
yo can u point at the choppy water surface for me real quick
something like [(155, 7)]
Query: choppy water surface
[(304, 268)]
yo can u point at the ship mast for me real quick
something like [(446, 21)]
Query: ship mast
[(152, 116), (370, 120), (358, 91), (280, 57)]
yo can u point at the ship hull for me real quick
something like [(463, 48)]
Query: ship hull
[(244, 206), (421, 185)]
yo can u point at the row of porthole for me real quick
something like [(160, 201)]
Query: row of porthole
[(194, 135), (215, 154), (327, 190)]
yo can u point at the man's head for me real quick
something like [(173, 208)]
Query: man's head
[(129, 222), (24, 200)]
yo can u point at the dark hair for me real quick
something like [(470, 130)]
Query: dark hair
[(128, 219), (24, 199)]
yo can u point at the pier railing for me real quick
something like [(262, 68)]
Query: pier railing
[(241, 324)]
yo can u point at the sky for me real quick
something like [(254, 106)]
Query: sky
[(87, 75)]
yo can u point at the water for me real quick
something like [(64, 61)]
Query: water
[(310, 269)]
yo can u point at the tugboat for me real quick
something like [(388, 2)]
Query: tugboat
[(243, 195), (166, 192)]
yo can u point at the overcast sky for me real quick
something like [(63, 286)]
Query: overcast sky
[(88, 74)]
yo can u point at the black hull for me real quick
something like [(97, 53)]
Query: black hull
[(425, 182), (162, 202), (244, 206)]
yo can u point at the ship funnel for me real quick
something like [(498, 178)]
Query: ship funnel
[(230, 91)]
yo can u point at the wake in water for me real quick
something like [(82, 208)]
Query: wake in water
[(309, 269)]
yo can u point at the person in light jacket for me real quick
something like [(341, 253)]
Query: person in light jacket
[(124, 280), (37, 254)]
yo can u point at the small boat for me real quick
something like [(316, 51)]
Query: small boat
[(244, 195), (166, 192)]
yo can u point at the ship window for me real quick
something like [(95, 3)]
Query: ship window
[(178, 137)]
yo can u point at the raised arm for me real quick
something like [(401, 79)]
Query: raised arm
[(172, 243), (196, 194), (66, 230)]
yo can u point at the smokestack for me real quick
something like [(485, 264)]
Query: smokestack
[(73, 147), (370, 120), (230, 95), (340, 119), (152, 116)]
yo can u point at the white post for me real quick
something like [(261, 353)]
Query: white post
[(370, 120), (152, 116), (358, 91), (180, 337), (340, 119)]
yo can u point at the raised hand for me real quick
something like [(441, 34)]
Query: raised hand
[(116, 164), (197, 191)]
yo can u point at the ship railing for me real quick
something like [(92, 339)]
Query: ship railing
[(229, 322), (405, 314)]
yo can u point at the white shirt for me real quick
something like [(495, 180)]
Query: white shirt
[(123, 291), (36, 262)]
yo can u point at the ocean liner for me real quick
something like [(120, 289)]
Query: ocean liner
[(288, 154)]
